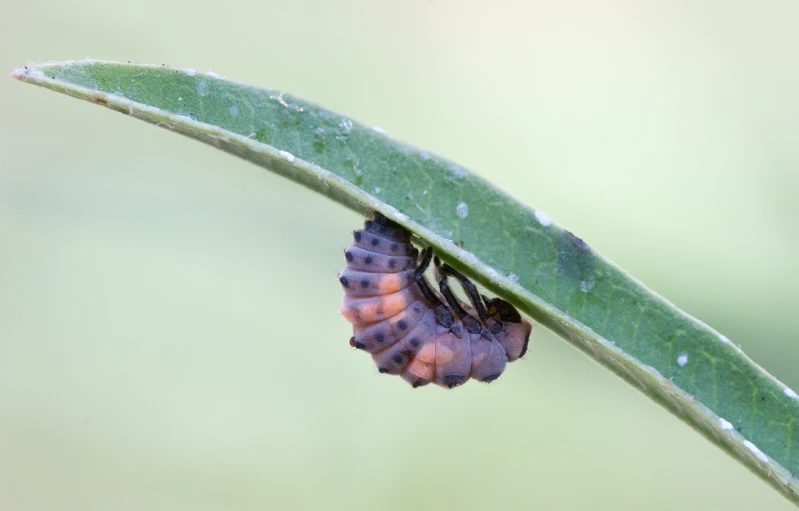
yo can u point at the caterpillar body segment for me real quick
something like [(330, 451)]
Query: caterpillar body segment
[(407, 326)]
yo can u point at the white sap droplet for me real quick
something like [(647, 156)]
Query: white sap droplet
[(757, 452), (725, 425), (723, 338), (543, 218), (790, 393), (287, 156), (424, 192), (189, 72), (462, 210), (682, 359), (234, 110), (180, 99), (377, 189), (202, 87), (378, 129)]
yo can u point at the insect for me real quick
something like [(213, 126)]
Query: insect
[(408, 328)]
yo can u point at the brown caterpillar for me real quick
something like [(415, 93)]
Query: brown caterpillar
[(408, 328)]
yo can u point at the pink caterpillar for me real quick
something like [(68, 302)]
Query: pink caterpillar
[(408, 328)]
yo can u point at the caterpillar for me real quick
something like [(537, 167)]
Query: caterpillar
[(410, 330)]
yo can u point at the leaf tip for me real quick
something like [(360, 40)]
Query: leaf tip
[(27, 74)]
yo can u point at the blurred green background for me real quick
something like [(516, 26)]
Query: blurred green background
[(169, 334)]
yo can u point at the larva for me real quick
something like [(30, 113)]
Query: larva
[(409, 330)]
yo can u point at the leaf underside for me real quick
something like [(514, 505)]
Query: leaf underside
[(514, 251)]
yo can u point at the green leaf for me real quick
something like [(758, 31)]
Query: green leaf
[(513, 250)]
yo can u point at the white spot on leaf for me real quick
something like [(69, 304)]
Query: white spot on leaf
[(682, 359), (287, 156), (790, 393), (462, 210), (457, 171), (377, 189), (513, 277), (725, 425), (723, 338), (234, 110), (212, 74), (543, 218), (202, 87), (189, 71), (757, 452), (279, 99), (378, 129)]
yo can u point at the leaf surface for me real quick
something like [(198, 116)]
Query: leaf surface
[(512, 249)]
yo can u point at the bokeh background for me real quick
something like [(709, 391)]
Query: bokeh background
[(169, 335)]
